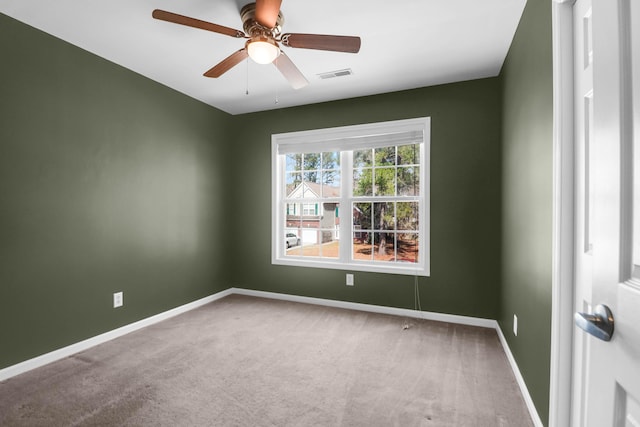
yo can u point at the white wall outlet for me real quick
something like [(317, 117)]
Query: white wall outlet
[(349, 279), (117, 300), (515, 325)]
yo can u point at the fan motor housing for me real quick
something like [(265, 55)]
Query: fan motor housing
[(253, 28)]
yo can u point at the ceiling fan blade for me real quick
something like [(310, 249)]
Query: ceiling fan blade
[(228, 63), (196, 23), (267, 12), (290, 71), (348, 44)]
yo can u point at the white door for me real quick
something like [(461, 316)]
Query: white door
[(584, 195), (607, 373)]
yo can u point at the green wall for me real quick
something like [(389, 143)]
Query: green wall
[(465, 200), (108, 182), (527, 199)]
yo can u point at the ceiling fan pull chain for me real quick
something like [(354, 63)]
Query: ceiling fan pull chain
[(276, 64), (247, 92)]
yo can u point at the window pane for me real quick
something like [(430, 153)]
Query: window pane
[(408, 247), (331, 160), (330, 184), (362, 246), (330, 176), (292, 181), (320, 243), (292, 241), (362, 216), (311, 161), (407, 215), (385, 182), (293, 162), (312, 176), (309, 209), (409, 154), (384, 216), (385, 156), (331, 190), (362, 182), (310, 241), (293, 216), (384, 247), (409, 181), (362, 158), (310, 190)]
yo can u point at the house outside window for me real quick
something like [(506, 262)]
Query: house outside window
[(310, 209), (378, 172)]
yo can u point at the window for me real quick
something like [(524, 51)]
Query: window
[(354, 197)]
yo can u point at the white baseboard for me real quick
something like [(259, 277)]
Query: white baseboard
[(523, 386), (450, 318), (47, 358), (69, 350)]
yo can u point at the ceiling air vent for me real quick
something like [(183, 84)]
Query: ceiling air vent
[(338, 73)]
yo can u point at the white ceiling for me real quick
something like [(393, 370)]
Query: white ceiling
[(405, 44)]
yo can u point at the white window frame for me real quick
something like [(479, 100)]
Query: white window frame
[(344, 139)]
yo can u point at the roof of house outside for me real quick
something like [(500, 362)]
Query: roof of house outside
[(317, 189)]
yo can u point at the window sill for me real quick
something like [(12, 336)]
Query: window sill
[(398, 268)]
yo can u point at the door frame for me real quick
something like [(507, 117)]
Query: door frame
[(563, 285)]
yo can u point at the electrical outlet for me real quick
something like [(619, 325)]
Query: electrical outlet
[(515, 325), (117, 300), (349, 279)]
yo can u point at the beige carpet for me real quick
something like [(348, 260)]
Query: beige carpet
[(244, 361)]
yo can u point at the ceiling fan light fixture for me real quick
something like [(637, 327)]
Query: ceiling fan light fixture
[(263, 50)]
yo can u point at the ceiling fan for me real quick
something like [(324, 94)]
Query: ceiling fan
[(262, 23)]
